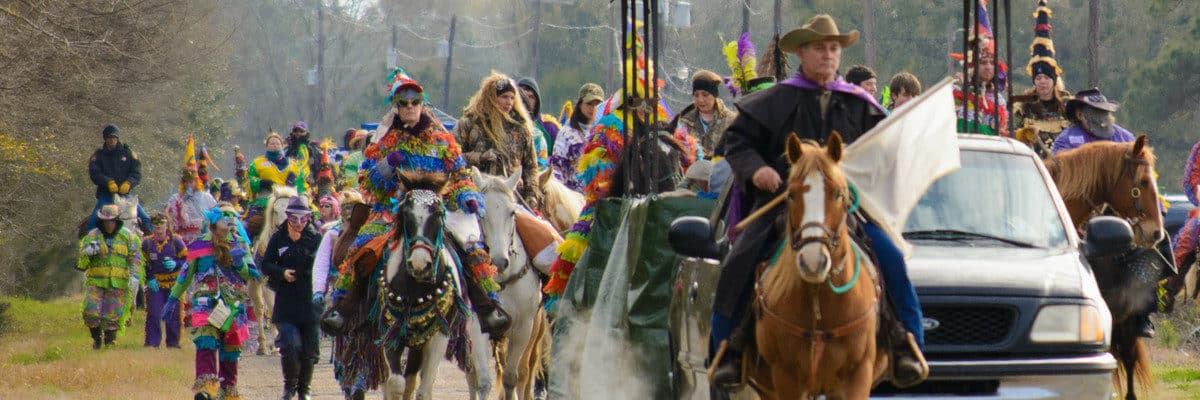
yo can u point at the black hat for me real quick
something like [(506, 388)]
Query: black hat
[(111, 130), (1042, 49), (1092, 98)]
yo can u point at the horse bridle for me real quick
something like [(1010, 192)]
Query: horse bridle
[(1129, 168), (410, 243), (828, 238)]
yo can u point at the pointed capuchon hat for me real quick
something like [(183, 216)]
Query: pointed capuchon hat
[(1041, 51)]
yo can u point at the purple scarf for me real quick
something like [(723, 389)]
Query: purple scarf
[(838, 85)]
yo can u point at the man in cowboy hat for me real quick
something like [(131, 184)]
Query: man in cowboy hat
[(111, 256), (1092, 116), (813, 104)]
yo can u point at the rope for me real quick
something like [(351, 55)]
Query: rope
[(853, 279)]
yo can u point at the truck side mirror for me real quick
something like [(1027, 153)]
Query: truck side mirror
[(692, 236), (1107, 237)]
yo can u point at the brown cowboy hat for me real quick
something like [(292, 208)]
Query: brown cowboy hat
[(820, 27)]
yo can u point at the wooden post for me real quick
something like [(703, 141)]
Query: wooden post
[(1093, 48), (745, 16), (537, 35), (869, 32), (320, 114), (449, 63), (778, 17)]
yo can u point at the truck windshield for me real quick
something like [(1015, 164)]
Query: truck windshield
[(995, 199)]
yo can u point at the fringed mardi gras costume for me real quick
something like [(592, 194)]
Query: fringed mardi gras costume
[(108, 302), (595, 170), (425, 147)]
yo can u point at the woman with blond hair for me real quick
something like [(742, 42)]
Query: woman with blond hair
[(496, 135)]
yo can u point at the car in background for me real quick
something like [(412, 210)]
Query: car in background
[(1011, 307), (1177, 213)]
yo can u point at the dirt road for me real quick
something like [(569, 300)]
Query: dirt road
[(259, 378)]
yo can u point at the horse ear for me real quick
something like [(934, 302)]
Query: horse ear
[(476, 176), (834, 146), (544, 178), (793, 148), (513, 178), (1138, 145), (402, 179)]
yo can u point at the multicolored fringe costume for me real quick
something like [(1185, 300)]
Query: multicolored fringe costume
[(595, 170), (263, 169), (206, 284), (990, 115), (1185, 242), (108, 299)]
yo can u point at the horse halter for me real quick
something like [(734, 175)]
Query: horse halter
[(1129, 168), (828, 238), (420, 198)]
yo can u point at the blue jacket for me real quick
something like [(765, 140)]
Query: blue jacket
[(1075, 136)]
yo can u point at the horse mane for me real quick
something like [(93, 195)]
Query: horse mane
[(422, 180), (1087, 172), (278, 192), (495, 184)]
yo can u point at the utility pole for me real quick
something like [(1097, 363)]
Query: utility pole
[(320, 114), (449, 62), (1093, 49), (869, 32), (612, 48), (537, 35), (745, 16), (777, 18)]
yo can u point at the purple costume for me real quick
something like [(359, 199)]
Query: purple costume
[(157, 252)]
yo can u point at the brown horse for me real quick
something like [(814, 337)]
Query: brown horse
[(816, 307), (1117, 177)]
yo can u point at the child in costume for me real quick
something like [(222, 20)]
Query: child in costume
[(165, 252)]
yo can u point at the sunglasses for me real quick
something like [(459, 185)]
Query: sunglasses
[(298, 218), (410, 103)]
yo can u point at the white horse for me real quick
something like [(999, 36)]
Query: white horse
[(413, 277), (128, 206), (520, 288), (561, 205), (260, 293)]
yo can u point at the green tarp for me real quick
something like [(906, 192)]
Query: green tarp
[(612, 319)]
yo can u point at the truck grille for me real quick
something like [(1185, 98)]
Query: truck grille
[(968, 325)]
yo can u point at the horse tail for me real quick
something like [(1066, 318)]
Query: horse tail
[(1137, 352)]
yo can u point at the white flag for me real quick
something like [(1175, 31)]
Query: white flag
[(895, 163)]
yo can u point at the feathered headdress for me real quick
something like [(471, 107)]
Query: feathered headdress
[(742, 59), (203, 163), (1042, 49), (564, 114), (191, 166), (983, 40), (239, 164)]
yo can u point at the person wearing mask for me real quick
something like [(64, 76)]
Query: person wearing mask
[(165, 253), (497, 135), (288, 265), (1091, 115), (303, 150), (271, 169), (111, 257), (115, 170), (187, 206), (545, 125), (568, 146), (214, 279)]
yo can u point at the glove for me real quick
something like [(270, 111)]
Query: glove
[(168, 310), (125, 187), (91, 249), (318, 299), (488, 156), (112, 187), (472, 206), (237, 253), (152, 285), (395, 158), (170, 265), (134, 283)]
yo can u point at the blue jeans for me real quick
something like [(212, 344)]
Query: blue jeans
[(895, 279), (102, 201)]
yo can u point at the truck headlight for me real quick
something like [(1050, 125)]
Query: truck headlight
[(1067, 323)]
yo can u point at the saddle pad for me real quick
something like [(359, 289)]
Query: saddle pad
[(536, 234)]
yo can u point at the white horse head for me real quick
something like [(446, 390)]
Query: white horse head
[(127, 207), (499, 224), (274, 215), (562, 205)]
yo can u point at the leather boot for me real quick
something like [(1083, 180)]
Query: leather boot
[(110, 338), (493, 320), (95, 338), (305, 382), (289, 361), (908, 363)]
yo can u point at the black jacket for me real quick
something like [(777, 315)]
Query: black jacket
[(119, 164), (757, 138), (293, 300)]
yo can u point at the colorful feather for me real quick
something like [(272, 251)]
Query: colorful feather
[(742, 59)]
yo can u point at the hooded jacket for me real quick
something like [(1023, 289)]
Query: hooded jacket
[(546, 124), (119, 164)]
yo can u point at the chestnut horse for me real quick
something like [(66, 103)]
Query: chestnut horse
[(817, 302), (1118, 177)]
